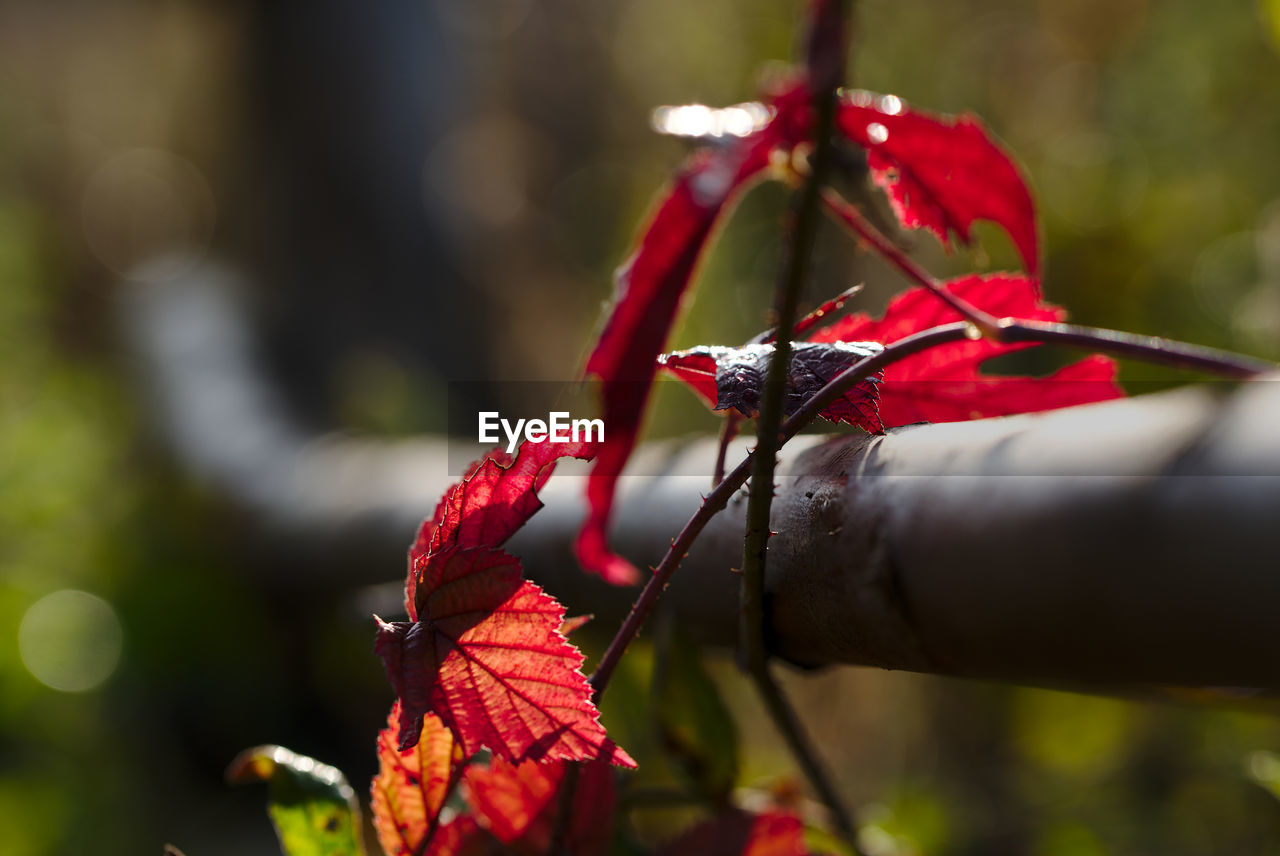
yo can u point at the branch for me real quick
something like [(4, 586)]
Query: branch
[(1113, 545)]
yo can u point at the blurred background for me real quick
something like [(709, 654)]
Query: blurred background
[(392, 196)]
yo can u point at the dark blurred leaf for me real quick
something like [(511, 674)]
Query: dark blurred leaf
[(312, 806), (735, 832), (693, 722)]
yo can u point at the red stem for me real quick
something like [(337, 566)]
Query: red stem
[(849, 216)]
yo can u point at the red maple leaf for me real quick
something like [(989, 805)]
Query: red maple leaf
[(944, 384), (735, 832), (483, 648), (411, 788), (649, 288), (518, 804), (941, 173)]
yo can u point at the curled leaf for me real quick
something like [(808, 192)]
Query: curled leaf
[(313, 808), (734, 378), (941, 172), (649, 289), (411, 787)]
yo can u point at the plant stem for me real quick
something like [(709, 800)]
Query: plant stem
[(1007, 330), (821, 315), (712, 504), (804, 218), (851, 218), (728, 431), (1151, 349), (1111, 342), (1161, 351), (564, 810)]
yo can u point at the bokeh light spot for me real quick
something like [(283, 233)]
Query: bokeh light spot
[(70, 640)]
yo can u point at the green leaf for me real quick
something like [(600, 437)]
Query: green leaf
[(313, 808), (693, 722)]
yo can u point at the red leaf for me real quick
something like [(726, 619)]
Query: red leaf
[(519, 804), (487, 656), (496, 496), (697, 368), (411, 788), (941, 172), (944, 384), (734, 832), (483, 648), (649, 288), (734, 377)]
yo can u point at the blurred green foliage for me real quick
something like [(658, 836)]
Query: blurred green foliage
[(313, 808), (1149, 130)]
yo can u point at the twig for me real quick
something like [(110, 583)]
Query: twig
[(826, 67), (1151, 349), (728, 430), (851, 218), (1006, 330), (556, 845), (822, 315)]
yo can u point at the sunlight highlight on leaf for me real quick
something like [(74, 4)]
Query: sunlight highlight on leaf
[(313, 808)]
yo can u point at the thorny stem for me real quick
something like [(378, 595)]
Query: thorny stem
[(1162, 351), (822, 315), (851, 218), (728, 431), (760, 467), (826, 68)]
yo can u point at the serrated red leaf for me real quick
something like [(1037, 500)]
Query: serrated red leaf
[(941, 172), (734, 377), (495, 497), (649, 289), (735, 832), (410, 790), (945, 384), (483, 648), (519, 804), (487, 656)]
